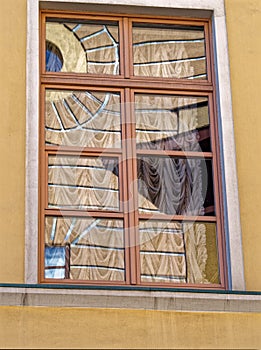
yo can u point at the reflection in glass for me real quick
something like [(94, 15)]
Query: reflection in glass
[(95, 248), (178, 252), (54, 262), (175, 186), (82, 118), (162, 252), (169, 51), (83, 183), (54, 58), (168, 122), (90, 47)]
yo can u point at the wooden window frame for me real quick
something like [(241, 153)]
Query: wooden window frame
[(127, 84)]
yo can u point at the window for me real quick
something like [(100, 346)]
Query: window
[(130, 189), (208, 9)]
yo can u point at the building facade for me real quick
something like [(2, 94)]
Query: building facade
[(211, 298)]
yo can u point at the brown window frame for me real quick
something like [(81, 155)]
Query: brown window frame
[(126, 84)]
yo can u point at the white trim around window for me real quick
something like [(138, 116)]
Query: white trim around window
[(201, 8)]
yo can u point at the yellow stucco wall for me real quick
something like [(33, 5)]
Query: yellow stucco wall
[(12, 138), (244, 27), (41, 327)]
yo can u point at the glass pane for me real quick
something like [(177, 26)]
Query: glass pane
[(95, 245), (162, 252), (175, 186), (166, 122), (76, 182), (55, 273), (201, 252), (54, 262), (169, 51), (54, 256), (82, 118), (82, 47), (177, 252)]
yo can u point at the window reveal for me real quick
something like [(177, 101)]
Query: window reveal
[(129, 168)]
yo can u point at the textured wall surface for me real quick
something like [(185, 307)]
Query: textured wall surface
[(12, 138), (39, 327), (244, 27)]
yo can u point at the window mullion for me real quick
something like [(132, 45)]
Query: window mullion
[(43, 43), (126, 47), (131, 183), (208, 51), (124, 185)]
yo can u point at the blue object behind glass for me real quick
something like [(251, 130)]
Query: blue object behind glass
[(55, 256), (53, 58), (55, 273)]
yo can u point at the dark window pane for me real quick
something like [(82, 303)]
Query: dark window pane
[(175, 186)]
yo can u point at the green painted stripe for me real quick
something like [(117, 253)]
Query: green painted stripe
[(128, 288)]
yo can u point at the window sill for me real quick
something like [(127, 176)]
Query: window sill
[(147, 298)]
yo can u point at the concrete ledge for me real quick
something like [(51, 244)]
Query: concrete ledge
[(125, 299)]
